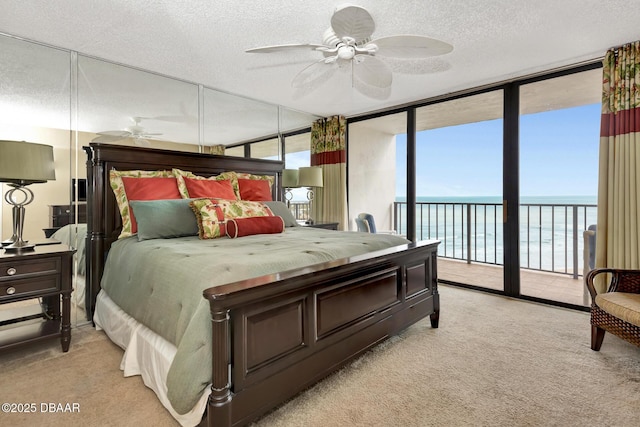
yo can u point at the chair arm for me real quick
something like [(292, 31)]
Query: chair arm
[(622, 280)]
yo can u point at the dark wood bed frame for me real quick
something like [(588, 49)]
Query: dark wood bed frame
[(275, 335)]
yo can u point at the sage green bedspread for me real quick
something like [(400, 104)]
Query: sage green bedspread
[(160, 283)]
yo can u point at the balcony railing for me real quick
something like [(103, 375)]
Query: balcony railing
[(550, 234), (300, 210)]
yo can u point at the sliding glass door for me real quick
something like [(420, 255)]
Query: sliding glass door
[(559, 139), (459, 186)]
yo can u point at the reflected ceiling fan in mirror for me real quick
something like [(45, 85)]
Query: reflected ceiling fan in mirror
[(135, 131), (347, 45)]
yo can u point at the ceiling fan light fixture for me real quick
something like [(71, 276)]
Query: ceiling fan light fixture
[(346, 52)]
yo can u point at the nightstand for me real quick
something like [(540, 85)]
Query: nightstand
[(43, 273), (325, 225)]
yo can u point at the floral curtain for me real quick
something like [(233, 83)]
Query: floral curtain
[(328, 150), (618, 242), (216, 149)]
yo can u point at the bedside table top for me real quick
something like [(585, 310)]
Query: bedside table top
[(46, 249), (327, 225)]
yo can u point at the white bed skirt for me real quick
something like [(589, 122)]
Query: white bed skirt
[(146, 354)]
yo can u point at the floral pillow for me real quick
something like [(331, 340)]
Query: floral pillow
[(182, 185), (117, 185), (212, 214)]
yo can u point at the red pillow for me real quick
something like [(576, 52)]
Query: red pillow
[(149, 189), (257, 190), (239, 227), (219, 189)]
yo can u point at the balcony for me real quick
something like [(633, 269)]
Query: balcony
[(551, 244)]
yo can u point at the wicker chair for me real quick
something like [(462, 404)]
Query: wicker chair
[(617, 310)]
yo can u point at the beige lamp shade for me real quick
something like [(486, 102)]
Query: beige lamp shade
[(290, 178), (310, 176), (26, 163)]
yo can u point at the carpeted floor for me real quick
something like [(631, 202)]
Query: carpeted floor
[(494, 361)]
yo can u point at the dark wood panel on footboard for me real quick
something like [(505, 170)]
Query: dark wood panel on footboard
[(279, 334)]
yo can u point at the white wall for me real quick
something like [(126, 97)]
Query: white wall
[(372, 175)]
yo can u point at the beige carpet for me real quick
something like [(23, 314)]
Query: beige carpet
[(494, 361)]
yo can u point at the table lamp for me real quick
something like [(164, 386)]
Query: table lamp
[(289, 181), (310, 177), (22, 164)]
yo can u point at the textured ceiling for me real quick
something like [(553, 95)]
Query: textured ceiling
[(203, 41)]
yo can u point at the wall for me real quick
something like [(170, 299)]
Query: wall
[(372, 175)]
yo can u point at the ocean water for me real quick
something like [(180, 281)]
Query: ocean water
[(551, 229)]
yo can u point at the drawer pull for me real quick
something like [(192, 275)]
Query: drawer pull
[(11, 271), (11, 290)]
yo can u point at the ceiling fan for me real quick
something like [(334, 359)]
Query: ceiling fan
[(347, 45), (135, 131)]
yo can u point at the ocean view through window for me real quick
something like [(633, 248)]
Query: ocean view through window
[(470, 229), (530, 146)]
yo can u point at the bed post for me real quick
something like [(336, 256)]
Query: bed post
[(219, 405), (95, 227)]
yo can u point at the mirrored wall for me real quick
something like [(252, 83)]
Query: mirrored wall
[(65, 99)]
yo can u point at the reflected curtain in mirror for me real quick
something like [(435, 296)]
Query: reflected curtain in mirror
[(328, 141)]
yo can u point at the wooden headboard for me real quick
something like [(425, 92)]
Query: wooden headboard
[(103, 217)]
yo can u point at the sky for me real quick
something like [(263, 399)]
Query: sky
[(558, 156)]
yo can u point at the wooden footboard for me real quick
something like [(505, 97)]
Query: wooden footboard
[(283, 332)]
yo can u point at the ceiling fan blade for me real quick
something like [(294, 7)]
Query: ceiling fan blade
[(118, 133), (283, 47), (372, 71), (146, 134), (314, 75), (353, 21), (371, 77), (108, 138), (408, 46)]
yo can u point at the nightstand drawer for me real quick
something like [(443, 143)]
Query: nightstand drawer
[(20, 268), (25, 287)]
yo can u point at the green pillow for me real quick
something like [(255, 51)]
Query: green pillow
[(164, 219), (280, 209)]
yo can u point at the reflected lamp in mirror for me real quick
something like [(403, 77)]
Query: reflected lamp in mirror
[(310, 177), (289, 181), (22, 164)]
